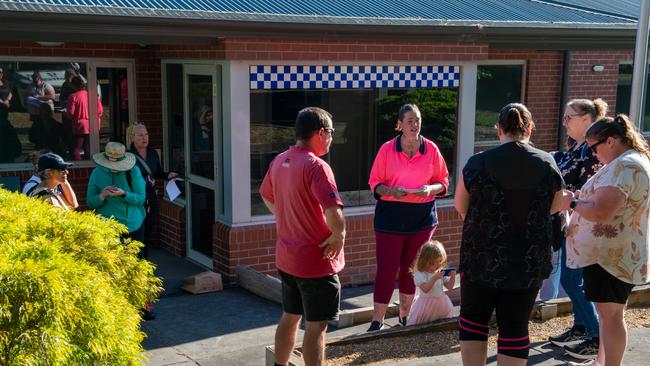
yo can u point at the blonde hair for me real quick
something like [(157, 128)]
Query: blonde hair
[(130, 132), (429, 253)]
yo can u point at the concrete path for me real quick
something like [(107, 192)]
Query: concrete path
[(637, 354), (233, 327), (230, 327)]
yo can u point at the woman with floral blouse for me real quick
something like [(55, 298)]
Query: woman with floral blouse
[(577, 165), (608, 233)]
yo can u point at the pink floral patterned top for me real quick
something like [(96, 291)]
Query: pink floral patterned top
[(621, 246)]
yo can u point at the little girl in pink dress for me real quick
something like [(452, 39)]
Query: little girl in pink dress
[(431, 303)]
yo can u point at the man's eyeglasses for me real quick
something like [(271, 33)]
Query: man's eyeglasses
[(330, 130), (593, 147)]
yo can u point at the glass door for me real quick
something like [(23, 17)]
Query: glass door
[(202, 111)]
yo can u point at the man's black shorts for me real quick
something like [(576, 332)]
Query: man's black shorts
[(601, 286), (318, 299)]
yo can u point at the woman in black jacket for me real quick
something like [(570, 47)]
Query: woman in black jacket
[(148, 161)]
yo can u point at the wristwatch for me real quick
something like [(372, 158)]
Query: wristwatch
[(573, 204)]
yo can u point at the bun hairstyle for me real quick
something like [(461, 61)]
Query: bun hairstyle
[(619, 128), (515, 120), (403, 110), (596, 108)]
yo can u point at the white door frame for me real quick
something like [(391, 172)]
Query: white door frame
[(212, 184)]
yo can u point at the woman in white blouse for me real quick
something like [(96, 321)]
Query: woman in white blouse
[(608, 234)]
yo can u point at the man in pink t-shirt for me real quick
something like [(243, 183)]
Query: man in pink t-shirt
[(299, 188)]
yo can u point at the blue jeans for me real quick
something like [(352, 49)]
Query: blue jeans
[(584, 312), (551, 288)]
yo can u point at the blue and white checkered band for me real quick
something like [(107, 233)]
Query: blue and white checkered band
[(272, 77)]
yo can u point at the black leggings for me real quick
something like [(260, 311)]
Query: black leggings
[(513, 308)]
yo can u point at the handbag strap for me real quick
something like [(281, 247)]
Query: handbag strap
[(144, 163)]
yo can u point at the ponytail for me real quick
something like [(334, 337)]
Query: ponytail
[(516, 121), (622, 128), (596, 108)]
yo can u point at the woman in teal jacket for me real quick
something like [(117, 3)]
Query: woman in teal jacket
[(116, 189)]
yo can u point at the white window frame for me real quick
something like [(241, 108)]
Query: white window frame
[(240, 142), (639, 123), (523, 85)]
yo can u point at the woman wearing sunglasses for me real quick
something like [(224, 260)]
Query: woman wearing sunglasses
[(608, 234)]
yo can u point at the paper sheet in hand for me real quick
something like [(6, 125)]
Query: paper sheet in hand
[(172, 189), (416, 190)]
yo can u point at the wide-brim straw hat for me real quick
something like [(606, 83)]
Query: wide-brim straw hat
[(115, 157)]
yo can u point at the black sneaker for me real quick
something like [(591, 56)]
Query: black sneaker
[(585, 350), (402, 321), (375, 325), (570, 337), (148, 315)]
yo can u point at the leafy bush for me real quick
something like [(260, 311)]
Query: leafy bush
[(70, 289)]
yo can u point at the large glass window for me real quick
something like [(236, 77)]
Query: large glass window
[(33, 109), (624, 92), (497, 85), (44, 105), (363, 119)]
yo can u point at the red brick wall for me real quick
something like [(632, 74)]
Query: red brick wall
[(255, 246), (543, 91), (171, 227), (351, 50), (585, 83)]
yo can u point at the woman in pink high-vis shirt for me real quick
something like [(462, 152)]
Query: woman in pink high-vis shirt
[(407, 175)]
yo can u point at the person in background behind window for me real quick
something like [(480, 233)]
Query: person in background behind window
[(53, 130), (147, 160), (66, 90), (5, 96), (124, 98), (38, 92), (54, 187), (77, 111), (10, 147)]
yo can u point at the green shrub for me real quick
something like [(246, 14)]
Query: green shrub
[(70, 290)]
